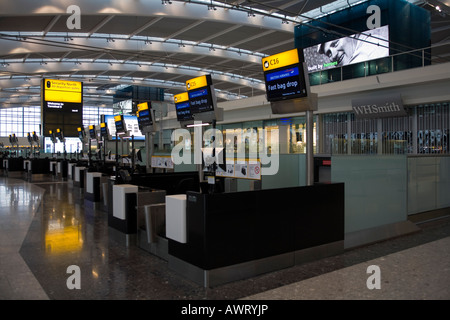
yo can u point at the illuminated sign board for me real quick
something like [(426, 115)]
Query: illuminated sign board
[(103, 129), (284, 76), (63, 91), (119, 123), (92, 132), (81, 133), (144, 115), (182, 106), (368, 45), (280, 60), (200, 94), (198, 82), (61, 105)]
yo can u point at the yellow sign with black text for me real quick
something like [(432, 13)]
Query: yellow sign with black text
[(181, 97), (142, 106), (196, 83), (280, 60), (63, 91)]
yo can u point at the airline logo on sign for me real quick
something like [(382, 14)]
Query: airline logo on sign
[(197, 83), (280, 60), (182, 97)]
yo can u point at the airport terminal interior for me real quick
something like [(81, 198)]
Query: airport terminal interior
[(229, 150)]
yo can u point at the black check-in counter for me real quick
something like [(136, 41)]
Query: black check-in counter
[(231, 236), (13, 167), (130, 211)]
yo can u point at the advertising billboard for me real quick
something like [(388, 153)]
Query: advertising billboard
[(368, 45)]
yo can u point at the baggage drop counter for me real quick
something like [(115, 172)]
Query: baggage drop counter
[(232, 236)]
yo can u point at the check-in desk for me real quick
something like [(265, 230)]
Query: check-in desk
[(54, 168), (37, 169), (93, 186), (14, 167), (71, 171), (232, 236), (79, 176), (129, 216)]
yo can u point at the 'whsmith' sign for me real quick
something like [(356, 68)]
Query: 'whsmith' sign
[(379, 107)]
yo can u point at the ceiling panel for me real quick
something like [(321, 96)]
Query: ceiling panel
[(204, 30), (24, 23), (165, 27)]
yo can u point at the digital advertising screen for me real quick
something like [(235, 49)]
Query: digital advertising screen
[(62, 105), (144, 115), (200, 94), (131, 123), (182, 106), (368, 45), (284, 76)]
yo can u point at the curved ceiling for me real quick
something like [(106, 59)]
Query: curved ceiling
[(148, 43)]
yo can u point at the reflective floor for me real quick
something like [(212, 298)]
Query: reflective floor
[(47, 226)]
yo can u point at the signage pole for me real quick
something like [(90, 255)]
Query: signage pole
[(309, 148)]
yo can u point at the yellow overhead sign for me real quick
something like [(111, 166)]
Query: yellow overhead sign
[(118, 118), (182, 97), (103, 125), (63, 91), (196, 83), (280, 60)]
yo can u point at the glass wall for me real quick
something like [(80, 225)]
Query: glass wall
[(425, 130), (19, 121), (22, 120)]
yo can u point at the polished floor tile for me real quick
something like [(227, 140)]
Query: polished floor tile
[(47, 227)]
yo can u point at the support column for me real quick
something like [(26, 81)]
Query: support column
[(309, 148)]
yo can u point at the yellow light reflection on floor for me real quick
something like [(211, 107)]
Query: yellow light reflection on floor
[(63, 240)]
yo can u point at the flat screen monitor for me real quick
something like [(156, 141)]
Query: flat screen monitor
[(368, 45), (132, 126), (119, 123), (104, 130), (144, 115), (81, 133), (92, 132), (284, 76), (201, 95), (287, 83), (182, 106), (183, 111), (200, 100)]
